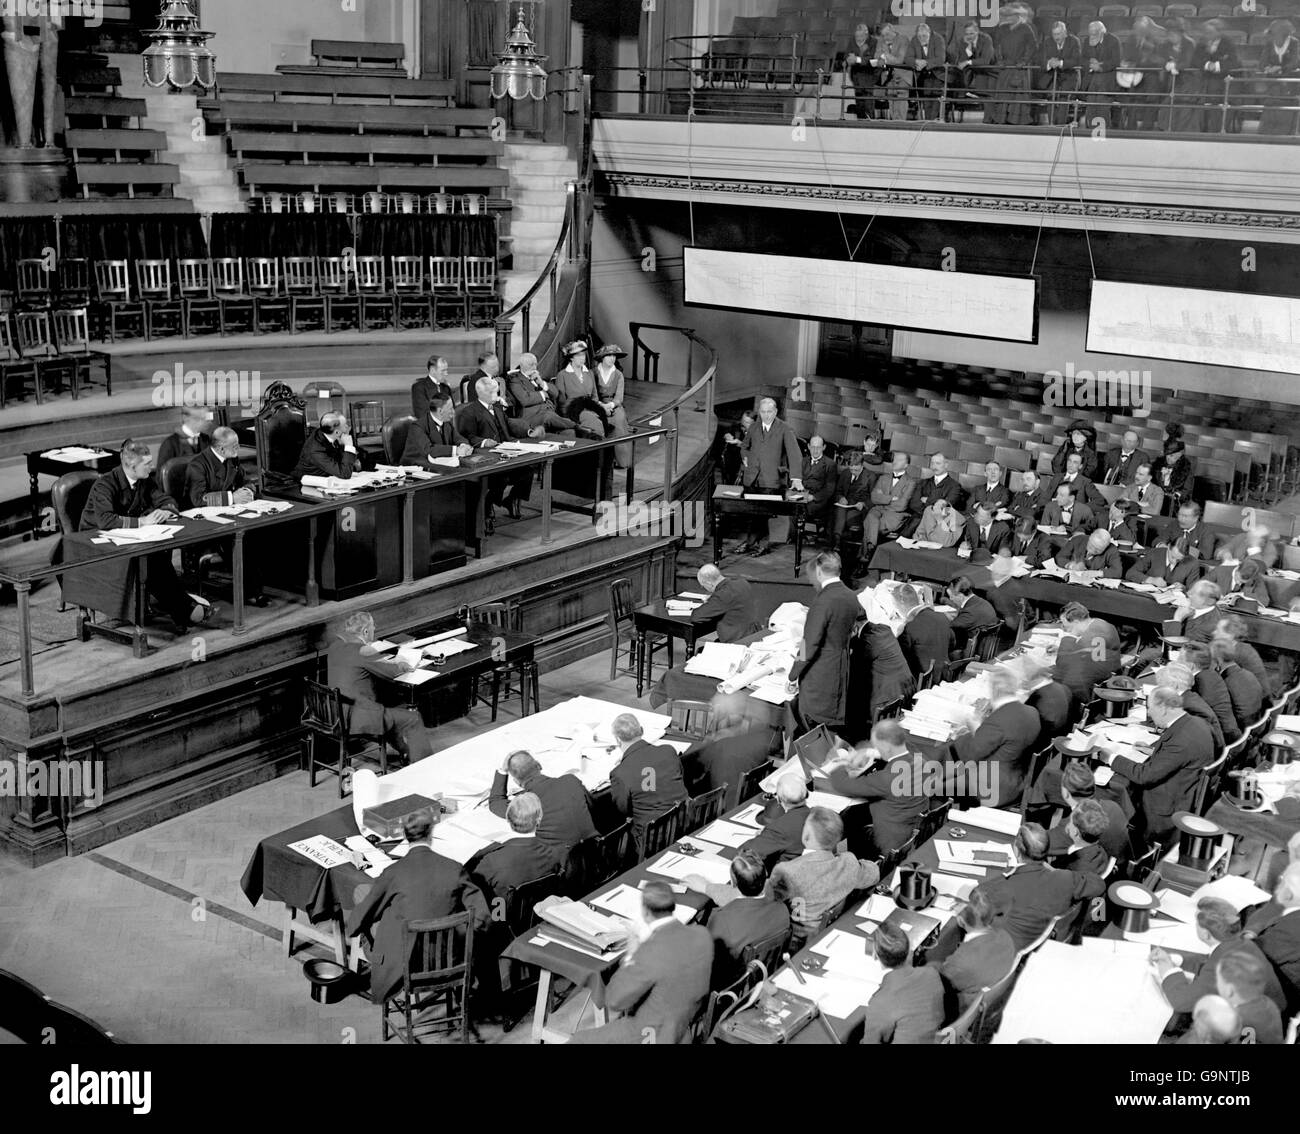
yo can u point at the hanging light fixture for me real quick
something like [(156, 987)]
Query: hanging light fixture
[(178, 57), (518, 73)]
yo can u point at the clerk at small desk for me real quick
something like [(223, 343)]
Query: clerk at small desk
[(329, 450), (730, 599), (129, 497)]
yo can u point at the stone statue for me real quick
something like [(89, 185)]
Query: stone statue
[(24, 56)]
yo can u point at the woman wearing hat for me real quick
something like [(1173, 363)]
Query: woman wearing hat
[(1173, 471), (609, 392), (1082, 439), (576, 387), (1280, 59)]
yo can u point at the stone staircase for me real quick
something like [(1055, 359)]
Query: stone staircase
[(539, 179), (207, 178)]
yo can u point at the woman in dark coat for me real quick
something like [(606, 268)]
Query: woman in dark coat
[(1080, 438), (1173, 471)]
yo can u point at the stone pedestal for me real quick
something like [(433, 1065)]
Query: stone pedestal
[(32, 175)]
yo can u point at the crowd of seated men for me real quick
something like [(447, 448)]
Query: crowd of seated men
[(1170, 76)]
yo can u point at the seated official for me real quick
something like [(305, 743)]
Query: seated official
[(1244, 691), (215, 478), (890, 778), (1258, 541), (329, 450), (983, 532), (1218, 925), (502, 866), (484, 425), (737, 743), (1119, 522), (856, 491), (129, 497), (1200, 612), (434, 382), (1144, 492), (985, 956), (883, 661), (1080, 846), (434, 435), (1164, 566), (749, 918), (1167, 778), (1085, 491), (532, 400), (1028, 898), (662, 978), (1078, 786), (422, 885), (889, 501), (1179, 677), (781, 837), (187, 441), (820, 478), (1093, 552), (927, 638), (1005, 739), (1232, 628), (907, 1008), (941, 484), (820, 877), (1088, 653), (1241, 981), (1121, 464), (731, 599), (1245, 579), (973, 613), (352, 664), (1172, 470), (1034, 495), (1029, 544), (1214, 1021), (993, 493), (647, 781), (1051, 700), (941, 524), (1209, 685), (1068, 512), (566, 805), (1192, 538), (1279, 939)]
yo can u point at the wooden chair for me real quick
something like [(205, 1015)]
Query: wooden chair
[(994, 1000), (890, 710), (694, 718), (72, 283), (621, 622), (800, 935), (1207, 780), (437, 974), (36, 345), (306, 304), (519, 981), (751, 781), (505, 616), (342, 304), (279, 431), (324, 721), (164, 310), (14, 365), (33, 285), (237, 306), (272, 308), (984, 642), (891, 860), (372, 288), (929, 821), (663, 830), (959, 1031), (368, 420), (725, 1002), (954, 669), (72, 342), (200, 309), (324, 397), (597, 859), (447, 289), (482, 303), (113, 302), (413, 306), (928, 677), (704, 809)]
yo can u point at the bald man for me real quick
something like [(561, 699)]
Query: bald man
[(531, 399), (329, 450), (782, 836), (1214, 1021), (1122, 463), (772, 462), (731, 600), (484, 425), (1092, 552), (215, 478)]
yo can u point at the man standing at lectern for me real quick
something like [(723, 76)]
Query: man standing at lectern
[(769, 454)]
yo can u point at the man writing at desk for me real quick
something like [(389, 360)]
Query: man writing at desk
[(485, 426), (128, 497), (435, 436), (329, 450), (214, 478)]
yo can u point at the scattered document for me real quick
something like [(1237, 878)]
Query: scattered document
[(1238, 892), (835, 803), (947, 885), (837, 996), (748, 816), (74, 454), (376, 860), (988, 819), (681, 866), (323, 851), (877, 907), (727, 834), (792, 766), (625, 901), (416, 677)]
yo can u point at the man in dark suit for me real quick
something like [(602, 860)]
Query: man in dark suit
[(484, 424), (1164, 566), (927, 638), (351, 666), (730, 599), (1280, 940), (984, 533), (1051, 700), (1088, 652), (566, 804), (820, 478), (531, 399), (215, 478), (973, 613), (434, 382), (1119, 522), (1005, 739), (771, 460), (747, 920), (1199, 612), (886, 502), (420, 886), (662, 979), (1034, 495), (489, 366), (129, 497), (1085, 491), (781, 838), (993, 493), (1029, 544), (1246, 696), (1068, 512), (1102, 55), (1122, 463), (1079, 786), (502, 866), (1168, 776), (1028, 898), (1192, 538), (1092, 552), (434, 435), (737, 745), (892, 786), (1209, 685), (940, 485), (648, 781), (823, 674), (1179, 677), (189, 440), (328, 450), (984, 957), (907, 1008), (1232, 628), (1078, 847)]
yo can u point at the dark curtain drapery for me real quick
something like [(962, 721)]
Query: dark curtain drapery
[(280, 234), (425, 235), (169, 237), (22, 238)]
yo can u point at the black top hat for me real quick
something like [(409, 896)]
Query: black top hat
[(1198, 838), (1068, 746), (1281, 747), (1137, 902), (914, 891)]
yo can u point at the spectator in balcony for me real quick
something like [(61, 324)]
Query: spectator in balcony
[(1172, 471), (872, 461), (1016, 43), (1101, 56), (1280, 60), (575, 386), (926, 54), (1142, 72), (1182, 84), (856, 60), (893, 76), (1215, 59), (1081, 439), (1059, 60), (971, 59), (609, 392)]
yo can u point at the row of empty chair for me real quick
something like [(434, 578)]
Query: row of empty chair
[(49, 351), (348, 204)]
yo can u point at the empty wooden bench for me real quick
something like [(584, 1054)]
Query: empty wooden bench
[(342, 56), (354, 118), (393, 88)]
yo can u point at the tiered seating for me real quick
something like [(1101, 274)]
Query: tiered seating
[(111, 153), (347, 57)]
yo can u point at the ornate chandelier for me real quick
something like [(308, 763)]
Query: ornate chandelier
[(518, 72), (178, 57)]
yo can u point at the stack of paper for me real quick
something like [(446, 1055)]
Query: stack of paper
[(988, 818), (74, 454), (847, 956), (710, 867), (376, 860), (625, 901), (727, 834), (718, 660), (147, 533)]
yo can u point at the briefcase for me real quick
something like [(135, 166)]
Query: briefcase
[(387, 819), (816, 747), (778, 1017)]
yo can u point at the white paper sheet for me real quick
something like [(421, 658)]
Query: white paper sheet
[(835, 803), (748, 816), (322, 850), (727, 834), (416, 677), (837, 996), (988, 819), (1238, 892), (709, 867), (625, 901)]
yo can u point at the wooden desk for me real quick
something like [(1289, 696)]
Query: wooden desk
[(728, 501), (655, 619), (37, 463)]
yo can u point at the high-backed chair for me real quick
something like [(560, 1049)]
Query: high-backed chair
[(280, 429), (438, 972), (164, 310), (72, 342), (394, 436), (12, 364), (201, 310), (238, 307), (114, 303)]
